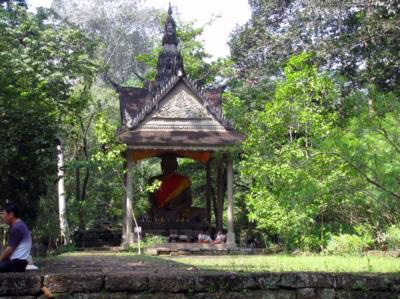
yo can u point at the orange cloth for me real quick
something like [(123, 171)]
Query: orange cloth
[(171, 186), (200, 156)]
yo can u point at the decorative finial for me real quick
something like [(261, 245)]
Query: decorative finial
[(170, 61), (170, 29), (170, 9)]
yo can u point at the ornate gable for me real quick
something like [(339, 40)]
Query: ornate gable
[(181, 109), (181, 103)]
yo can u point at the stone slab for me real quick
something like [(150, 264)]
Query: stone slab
[(170, 283), (306, 280), (126, 282), (94, 296), (74, 283), (364, 282), (13, 284)]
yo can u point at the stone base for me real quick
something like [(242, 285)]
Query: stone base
[(202, 285), (196, 249)]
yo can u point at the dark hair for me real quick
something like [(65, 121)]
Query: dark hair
[(12, 207)]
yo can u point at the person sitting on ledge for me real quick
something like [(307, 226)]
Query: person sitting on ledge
[(174, 196), (203, 237), (207, 239), (14, 257), (219, 238), (200, 237)]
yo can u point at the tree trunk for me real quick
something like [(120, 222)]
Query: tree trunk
[(79, 197), (61, 196)]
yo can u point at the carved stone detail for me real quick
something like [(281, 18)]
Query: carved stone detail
[(183, 106)]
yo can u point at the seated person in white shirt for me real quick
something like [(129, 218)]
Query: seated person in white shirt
[(15, 257)]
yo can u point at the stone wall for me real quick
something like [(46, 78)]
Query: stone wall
[(216, 285)]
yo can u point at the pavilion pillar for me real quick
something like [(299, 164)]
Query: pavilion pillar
[(220, 195), (208, 194), (128, 233), (230, 237)]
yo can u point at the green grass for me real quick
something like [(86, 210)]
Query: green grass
[(282, 263), (248, 263)]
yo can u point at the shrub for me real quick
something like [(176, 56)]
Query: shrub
[(63, 249), (392, 237), (346, 244), (155, 239)]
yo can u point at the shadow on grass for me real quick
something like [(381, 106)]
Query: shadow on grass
[(127, 262), (110, 263)]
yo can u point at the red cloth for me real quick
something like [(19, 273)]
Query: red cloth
[(171, 186)]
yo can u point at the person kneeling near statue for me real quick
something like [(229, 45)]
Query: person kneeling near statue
[(173, 198)]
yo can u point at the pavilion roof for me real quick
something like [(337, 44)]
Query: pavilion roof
[(173, 112)]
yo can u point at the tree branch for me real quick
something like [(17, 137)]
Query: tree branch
[(386, 135), (359, 170)]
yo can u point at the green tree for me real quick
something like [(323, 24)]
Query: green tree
[(368, 145), (40, 60), (125, 29), (356, 44), (358, 39), (287, 195)]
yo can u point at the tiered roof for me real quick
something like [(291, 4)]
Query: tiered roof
[(173, 113)]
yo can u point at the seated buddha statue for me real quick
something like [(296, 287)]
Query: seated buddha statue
[(173, 198)]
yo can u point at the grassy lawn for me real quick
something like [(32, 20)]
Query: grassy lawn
[(281, 263), (231, 263)]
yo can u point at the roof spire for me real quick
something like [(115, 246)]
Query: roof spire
[(170, 61), (170, 29), (170, 10)]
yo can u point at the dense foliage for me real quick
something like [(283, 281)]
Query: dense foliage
[(316, 92), (39, 60)]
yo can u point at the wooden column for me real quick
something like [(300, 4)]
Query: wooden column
[(208, 193), (220, 195), (128, 235), (230, 237)]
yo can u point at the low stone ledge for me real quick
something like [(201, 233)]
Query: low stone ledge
[(14, 284), (170, 283), (267, 281), (306, 293), (224, 282), (94, 296), (74, 283), (326, 293), (240, 282), (158, 296), (364, 295), (306, 280), (366, 282), (300, 285), (267, 294), (126, 282), (213, 282), (18, 297)]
